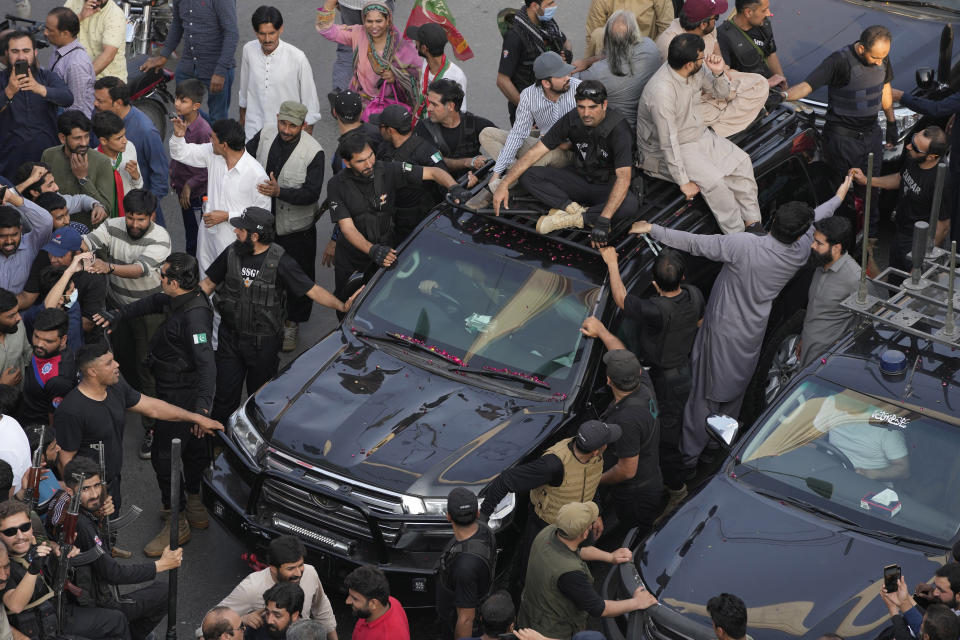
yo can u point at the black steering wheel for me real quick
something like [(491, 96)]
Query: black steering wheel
[(832, 450)]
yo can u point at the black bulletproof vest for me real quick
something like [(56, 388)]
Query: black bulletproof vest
[(469, 144), (596, 168), (748, 56), (860, 97), (371, 214), (482, 545), (671, 347), (166, 356), (258, 309)]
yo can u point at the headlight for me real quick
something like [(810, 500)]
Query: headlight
[(424, 506), (503, 509), (246, 435), (905, 118)]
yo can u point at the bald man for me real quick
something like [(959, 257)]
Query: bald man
[(221, 623)]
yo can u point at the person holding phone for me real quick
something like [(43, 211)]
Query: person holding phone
[(29, 104), (103, 33)]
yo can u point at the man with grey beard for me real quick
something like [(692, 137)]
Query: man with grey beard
[(629, 63)]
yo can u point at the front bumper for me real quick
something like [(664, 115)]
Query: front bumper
[(234, 494)]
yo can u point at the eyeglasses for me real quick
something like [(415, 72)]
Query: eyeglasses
[(12, 531), (241, 628), (913, 145)]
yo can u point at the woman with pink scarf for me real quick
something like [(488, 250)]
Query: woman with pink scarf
[(380, 53)]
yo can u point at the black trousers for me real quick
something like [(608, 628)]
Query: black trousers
[(346, 260), (558, 187), (147, 609), (240, 359), (634, 508), (673, 388), (194, 451), (302, 247), (842, 152), (96, 622)]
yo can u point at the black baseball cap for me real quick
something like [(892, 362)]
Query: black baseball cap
[(623, 369), (430, 34), (253, 219), (593, 434), (396, 116), (346, 104), (462, 505)]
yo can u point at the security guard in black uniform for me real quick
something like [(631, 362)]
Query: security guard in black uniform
[(858, 87), (253, 278), (363, 204), (401, 145), (97, 581), (664, 327), (181, 360), (456, 133)]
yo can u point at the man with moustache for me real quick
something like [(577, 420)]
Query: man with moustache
[(284, 601), (18, 249), (14, 345), (5, 632), (52, 370), (294, 161), (221, 623), (837, 276), (144, 607), (255, 276)]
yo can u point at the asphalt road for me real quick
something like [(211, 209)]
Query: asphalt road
[(212, 564)]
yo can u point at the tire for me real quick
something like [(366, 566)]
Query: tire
[(776, 366), (155, 111)]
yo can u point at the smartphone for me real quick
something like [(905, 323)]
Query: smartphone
[(173, 115), (891, 577), (20, 68)]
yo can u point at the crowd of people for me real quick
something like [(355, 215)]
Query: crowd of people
[(90, 285)]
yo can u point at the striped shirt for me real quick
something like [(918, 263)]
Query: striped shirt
[(149, 252), (534, 108)]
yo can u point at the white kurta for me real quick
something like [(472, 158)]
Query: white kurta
[(230, 190), (268, 81)]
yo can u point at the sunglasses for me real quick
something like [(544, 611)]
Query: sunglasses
[(12, 531), (591, 93)]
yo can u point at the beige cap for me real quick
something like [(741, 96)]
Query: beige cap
[(576, 517), (292, 112)]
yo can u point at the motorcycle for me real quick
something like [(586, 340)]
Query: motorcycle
[(149, 92), (148, 22)]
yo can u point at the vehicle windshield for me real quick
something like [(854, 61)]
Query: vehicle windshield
[(894, 465), (492, 313)]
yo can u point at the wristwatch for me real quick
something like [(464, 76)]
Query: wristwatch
[(82, 181)]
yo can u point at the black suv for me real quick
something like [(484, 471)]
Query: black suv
[(855, 467), (462, 360)]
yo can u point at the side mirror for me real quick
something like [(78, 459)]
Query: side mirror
[(723, 429), (925, 78)]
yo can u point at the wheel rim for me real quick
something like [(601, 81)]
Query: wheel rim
[(784, 364)]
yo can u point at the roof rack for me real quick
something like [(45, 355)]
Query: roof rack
[(921, 303)]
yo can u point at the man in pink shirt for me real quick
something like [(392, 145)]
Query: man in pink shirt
[(381, 617)]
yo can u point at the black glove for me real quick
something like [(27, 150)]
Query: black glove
[(459, 193), (893, 136), (37, 562), (601, 231), (111, 316), (378, 253)]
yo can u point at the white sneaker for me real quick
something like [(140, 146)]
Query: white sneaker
[(21, 8)]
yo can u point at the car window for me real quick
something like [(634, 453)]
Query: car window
[(785, 183), (887, 462), (489, 311)]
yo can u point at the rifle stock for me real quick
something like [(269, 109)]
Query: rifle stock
[(31, 492)]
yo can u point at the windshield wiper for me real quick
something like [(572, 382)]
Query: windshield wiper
[(807, 506), (407, 341), (506, 375), (899, 537), (920, 4)]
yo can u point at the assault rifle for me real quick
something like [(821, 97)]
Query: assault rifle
[(68, 535), (109, 527), (31, 490)]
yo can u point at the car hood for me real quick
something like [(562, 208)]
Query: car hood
[(807, 32), (799, 575), (355, 410)]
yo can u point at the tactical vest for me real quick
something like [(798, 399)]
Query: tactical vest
[(372, 218), (542, 605), (469, 144), (671, 347), (39, 618), (860, 97), (291, 218), (749, 58), (481, 545), (580, 481), (594, 167), (181, 371), (260, 308)]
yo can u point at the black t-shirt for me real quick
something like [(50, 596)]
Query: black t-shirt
[(834, 71), (649, 317), (417, 151), (470, 581), (91, 287), (373, 136), (762, 37), (916, 196), (81, 421), (452, 136), (637, 416), (45, 385), (289, 274), (598, 151), (18, 572), (576, 586)]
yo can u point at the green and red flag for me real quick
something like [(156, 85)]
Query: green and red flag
[(437, 11)]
